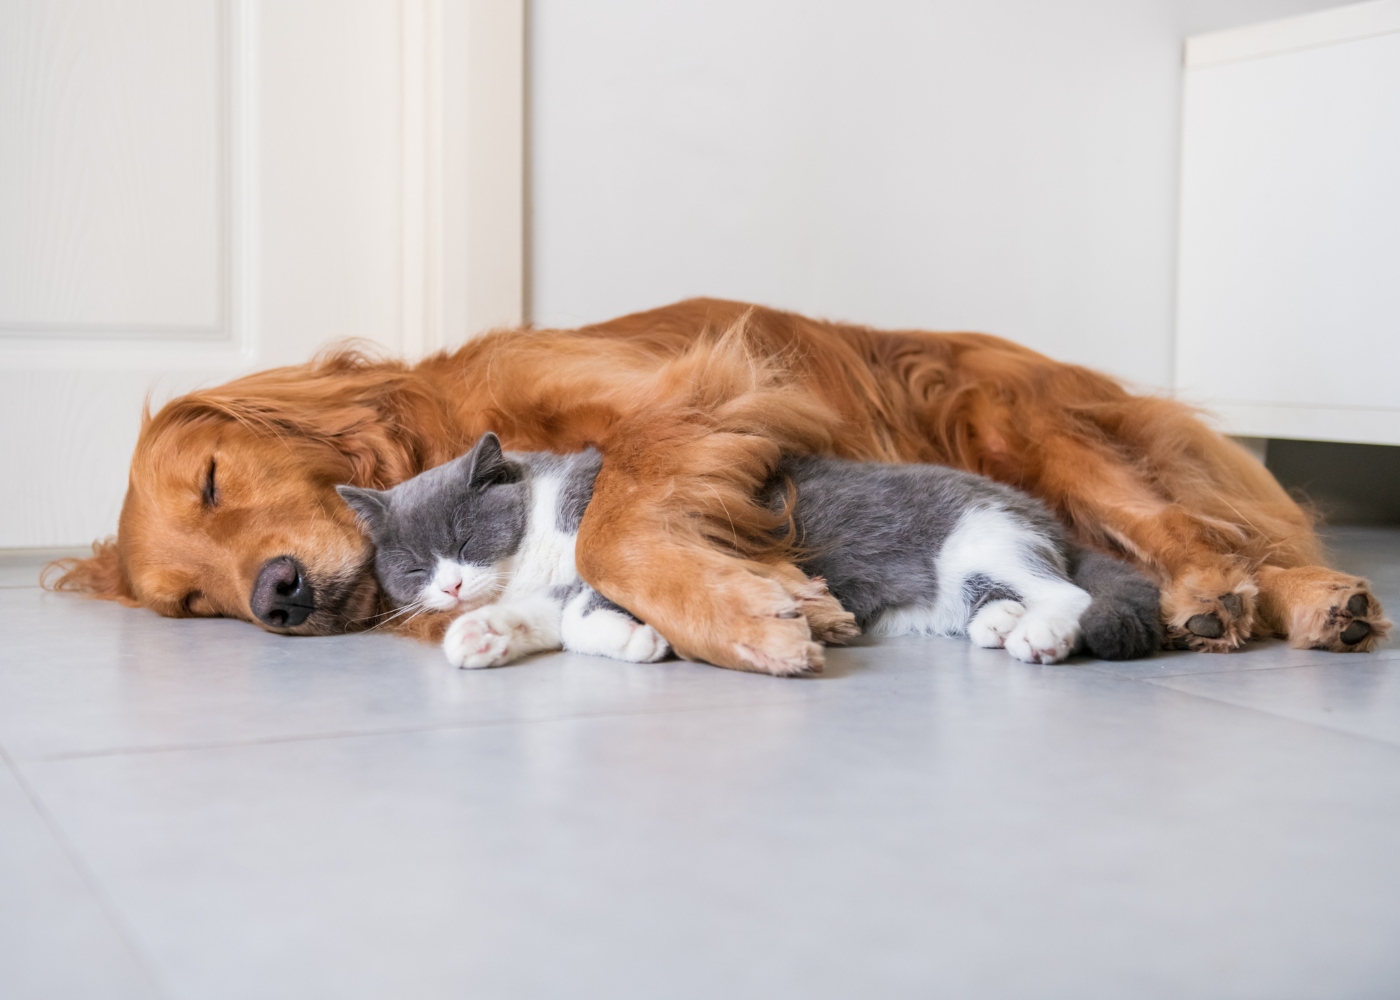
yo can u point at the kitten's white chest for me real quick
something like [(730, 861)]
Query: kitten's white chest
[(546, 554)]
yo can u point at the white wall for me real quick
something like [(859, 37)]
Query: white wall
[(1007, 166)]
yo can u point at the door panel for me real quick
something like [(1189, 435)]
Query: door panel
[(111, 189), (194, 189)]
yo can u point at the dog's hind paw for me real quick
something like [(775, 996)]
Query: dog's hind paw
[(1320, 608), (1209, 611)]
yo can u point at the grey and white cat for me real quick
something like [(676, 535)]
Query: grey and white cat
[(905, 548), (934, 550), (493, 535)]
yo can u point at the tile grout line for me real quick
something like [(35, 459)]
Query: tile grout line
[(347, 734), (1110, 672), (104, 902), (1270, 714)]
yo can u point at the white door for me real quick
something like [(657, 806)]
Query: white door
[(193, 189)]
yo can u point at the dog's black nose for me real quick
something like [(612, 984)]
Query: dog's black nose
[(282, 595)]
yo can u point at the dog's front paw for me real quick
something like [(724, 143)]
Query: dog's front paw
[(486, 637), (1042, 639)]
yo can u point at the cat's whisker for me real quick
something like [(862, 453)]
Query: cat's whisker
[(387, 615), (412, 610)]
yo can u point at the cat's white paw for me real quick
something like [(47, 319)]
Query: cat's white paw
[(993, 622), (1043, 638), (486, 637), (604, 632), (645, 645)]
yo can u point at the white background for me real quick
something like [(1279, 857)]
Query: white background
[(1006, 166)]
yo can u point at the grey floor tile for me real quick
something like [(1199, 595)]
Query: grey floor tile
[(930, 825), (55, 940), (82, 676), (1262, 654), (1361, 698), (1370, 552), (349, 817)]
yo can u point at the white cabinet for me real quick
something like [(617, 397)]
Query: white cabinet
[(1288, 315)]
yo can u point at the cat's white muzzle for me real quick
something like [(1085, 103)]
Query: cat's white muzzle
[(459, 586)]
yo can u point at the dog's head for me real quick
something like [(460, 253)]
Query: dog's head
[(231, 507)]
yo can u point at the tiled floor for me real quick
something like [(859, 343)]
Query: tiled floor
[(195, 809)]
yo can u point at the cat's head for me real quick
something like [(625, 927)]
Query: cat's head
[(444, 539)]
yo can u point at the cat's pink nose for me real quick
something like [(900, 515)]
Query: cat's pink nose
[(453, 590)]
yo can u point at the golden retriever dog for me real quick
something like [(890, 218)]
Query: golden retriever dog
[(231, 508)]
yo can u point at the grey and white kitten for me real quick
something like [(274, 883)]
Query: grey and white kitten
[(929, 549), (905, 548), (493, 535)]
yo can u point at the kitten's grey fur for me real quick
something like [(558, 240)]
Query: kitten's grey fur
[(905, 548)]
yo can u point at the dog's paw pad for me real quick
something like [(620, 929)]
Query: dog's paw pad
[(1213, 622), (1207, 625), (1354, 625), (1354, 633)]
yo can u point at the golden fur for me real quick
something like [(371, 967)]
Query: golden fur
[(691, 405)]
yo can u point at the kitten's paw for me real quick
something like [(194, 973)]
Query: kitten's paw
[(993, 622), (1043, 638), (644, 645), (486, 637), (618, 635)]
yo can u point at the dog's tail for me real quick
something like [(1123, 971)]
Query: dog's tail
[(1124, 621)]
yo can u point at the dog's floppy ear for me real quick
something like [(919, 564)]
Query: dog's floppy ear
[(100, 575), (377, 416), (370, 506), (486, 465)]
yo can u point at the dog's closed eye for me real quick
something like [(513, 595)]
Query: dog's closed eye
[(210, 493)]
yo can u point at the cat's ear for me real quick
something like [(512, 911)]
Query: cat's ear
[(370, 506), (487, 465)]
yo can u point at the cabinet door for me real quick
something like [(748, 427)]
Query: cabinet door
[(1288, 319), (193, 189)]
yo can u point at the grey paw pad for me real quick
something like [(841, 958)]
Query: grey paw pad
[(1358, 606), (1232, 603), (1356, 631), (1207, 626)]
